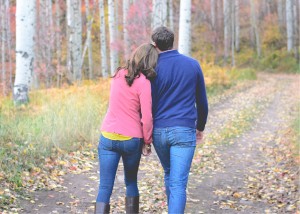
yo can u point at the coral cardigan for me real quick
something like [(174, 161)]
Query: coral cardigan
[(130, 108)]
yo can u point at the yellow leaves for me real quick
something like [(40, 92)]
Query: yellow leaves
[(237, 195), (215, 75), (93, 178)]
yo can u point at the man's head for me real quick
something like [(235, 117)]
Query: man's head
[(163, 38)]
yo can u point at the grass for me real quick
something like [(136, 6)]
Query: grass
[(56, 119), (296, 133)]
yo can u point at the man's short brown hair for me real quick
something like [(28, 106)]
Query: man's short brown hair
[(163, 38)]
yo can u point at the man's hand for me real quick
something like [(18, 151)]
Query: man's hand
[(199, 137)]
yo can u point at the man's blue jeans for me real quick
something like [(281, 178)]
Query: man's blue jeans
[(110, 152), (175, 147)]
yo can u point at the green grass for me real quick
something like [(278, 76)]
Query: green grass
[(56, 120), (296, 130)]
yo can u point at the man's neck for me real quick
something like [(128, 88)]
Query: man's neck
[(159, 51)]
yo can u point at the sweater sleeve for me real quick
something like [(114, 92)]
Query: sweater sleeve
[(201, 100), (146, 111)]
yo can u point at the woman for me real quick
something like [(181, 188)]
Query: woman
[(127, 127)]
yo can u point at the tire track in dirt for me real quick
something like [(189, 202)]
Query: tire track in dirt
[(225, 190)]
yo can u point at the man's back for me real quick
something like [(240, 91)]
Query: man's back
[(178, 87)]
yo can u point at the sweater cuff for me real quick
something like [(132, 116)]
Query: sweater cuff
[(148, 142)]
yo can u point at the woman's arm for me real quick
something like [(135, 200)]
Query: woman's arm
[(146, 110)]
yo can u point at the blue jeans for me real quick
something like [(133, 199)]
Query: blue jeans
[(175, 147), (110, 152)]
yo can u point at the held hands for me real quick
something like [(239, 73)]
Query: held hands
[(146, 150), (199, 137)]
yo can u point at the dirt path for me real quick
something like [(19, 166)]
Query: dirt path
[(238, 168)]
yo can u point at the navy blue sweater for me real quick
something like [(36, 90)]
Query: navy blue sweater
[(178, 92)]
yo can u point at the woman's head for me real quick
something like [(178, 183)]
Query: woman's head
[(143, 60)]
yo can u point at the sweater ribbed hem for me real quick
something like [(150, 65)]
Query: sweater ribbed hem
[(164, 123)]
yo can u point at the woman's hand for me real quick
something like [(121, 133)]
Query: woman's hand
[(146, 150)]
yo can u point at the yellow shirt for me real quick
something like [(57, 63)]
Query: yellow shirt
[(115, 136)]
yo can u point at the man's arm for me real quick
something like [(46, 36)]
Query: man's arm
[(201, 101)]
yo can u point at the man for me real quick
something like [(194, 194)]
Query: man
[(179, 108)]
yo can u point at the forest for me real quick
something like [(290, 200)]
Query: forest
[(56, 60)]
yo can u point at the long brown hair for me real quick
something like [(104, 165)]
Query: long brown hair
[(143, 60)]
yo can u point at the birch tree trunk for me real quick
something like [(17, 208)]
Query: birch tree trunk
[(125, 31), (74, 38), (49, 42), (280, 13), (171, 16), (213, 24), (58, 43), (184, 43), (25, 32), (296, 29), (104, 67), (89, 39), (255, 27), (289, 25), (3, 44), (237, 24), (159, 14), (233, 39), (9, 45), (213, 13), (112, 36), (226, 8)]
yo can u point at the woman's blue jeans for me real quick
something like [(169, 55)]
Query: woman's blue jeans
[(110, 152), (175, 147)]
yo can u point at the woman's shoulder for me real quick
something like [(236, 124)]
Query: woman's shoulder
[(141, 79)]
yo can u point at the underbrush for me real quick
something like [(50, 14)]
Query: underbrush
[(218, 79), (56, 121)]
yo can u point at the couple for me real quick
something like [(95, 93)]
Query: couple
[(176, 98)]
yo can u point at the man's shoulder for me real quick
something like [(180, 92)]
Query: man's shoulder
[(188, 58)]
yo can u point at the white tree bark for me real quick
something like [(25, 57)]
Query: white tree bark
[(184, 43), (89, 39), (255, 27), (213, 13), (58, 43), (226, 10), (25, 32), (233, 40), (280, 13), (74, 38), (171, 16), (112, 36), (125, 31), (296, 29), (3, 29), (49, 44), (104, 67), (159, 13), (289, 25), (9, 45), (237, 24)]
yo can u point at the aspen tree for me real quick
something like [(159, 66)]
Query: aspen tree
[(25, 32)]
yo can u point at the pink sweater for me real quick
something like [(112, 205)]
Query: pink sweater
[(130, 108)]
